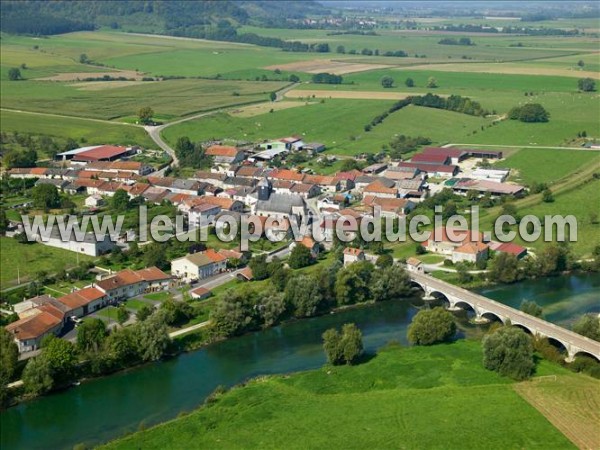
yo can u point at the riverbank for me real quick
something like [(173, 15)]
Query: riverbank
[(390, 401), (158, 392)]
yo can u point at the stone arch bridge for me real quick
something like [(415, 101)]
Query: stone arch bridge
[(574, 343)]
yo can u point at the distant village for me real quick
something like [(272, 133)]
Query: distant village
[(243, 180)]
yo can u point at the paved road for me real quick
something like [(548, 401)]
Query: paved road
[(188, 329), (155, 131), (524, 146)]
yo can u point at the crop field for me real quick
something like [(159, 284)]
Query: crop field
[(382, 398), (571, 403), (546, 165), (82, 130)]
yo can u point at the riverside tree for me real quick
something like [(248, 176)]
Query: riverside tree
[(509, 351), (343, 347), (430, 326), (300, 256), (589, 326), (531, 308)]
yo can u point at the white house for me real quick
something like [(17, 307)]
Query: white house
[(197, 266)]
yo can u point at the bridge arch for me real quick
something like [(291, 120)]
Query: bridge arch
[(524, 328), (560, 346), (588, 354), (492, 317), (464, 305), (441, 298)]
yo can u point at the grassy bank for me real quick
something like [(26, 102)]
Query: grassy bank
[(391, 401)]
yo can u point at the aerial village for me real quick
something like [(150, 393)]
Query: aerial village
[(246, 179)]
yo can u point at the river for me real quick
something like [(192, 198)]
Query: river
[(106, 408)]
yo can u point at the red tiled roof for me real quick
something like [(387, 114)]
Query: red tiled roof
[(38, 170), (33, 327), (81, 297), (430, 158), (378, 187), (352, 251), (286, 174), (472, 248), (509, 247), (222, 150), (152, 274), (448, 152), (100, 152)]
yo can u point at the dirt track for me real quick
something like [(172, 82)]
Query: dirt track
[(327, 65), (356, 95), (503, 68), (79, 76)]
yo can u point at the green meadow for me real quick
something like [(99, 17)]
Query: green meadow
[(545, 165), (391, 401), (25, 260), (342, 131), (111, 100), (82, 130)]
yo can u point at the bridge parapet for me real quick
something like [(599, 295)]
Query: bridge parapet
[(573, 342)]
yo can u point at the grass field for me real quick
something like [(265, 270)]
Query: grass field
[(545, 165), (82, 130), (169, 98), (342, 132), (25, 260), (429, 397)]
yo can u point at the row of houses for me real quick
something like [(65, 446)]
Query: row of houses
[(44, 315)]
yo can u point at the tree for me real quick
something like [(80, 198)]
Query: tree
[(259, 267), (385, 260), (352, 283), (144, 312), (9, 356), (120, 201), (153, 338), (14, 74), (155, 255), (531, 112), (272, 307), (531, 308), (300, 256), (61, 358), (589, 326), (390, 283), (303, 295), (387, 82), (547, 196), (345, 347), (37, 377), (409, 82), (122, 314), (90, 335), (505, 268), (175, 312), (145, 115), (294, 78), (340, 49), (332, 346), (432, 83), (83, 59), (45, 196), (509, 352), (272, 96), (430, 326), (580, 63), (233, 314), (351, 343), (586, 84), (3, 222)]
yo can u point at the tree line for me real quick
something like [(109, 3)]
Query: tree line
[(290, 294)]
